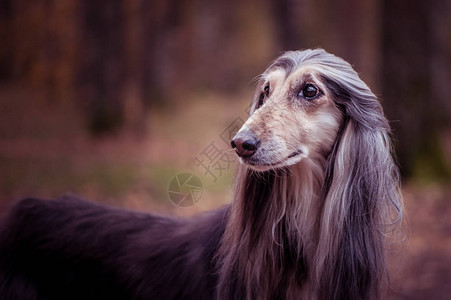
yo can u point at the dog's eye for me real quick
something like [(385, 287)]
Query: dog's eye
[(267, 90), (263, 95), (309, 92)]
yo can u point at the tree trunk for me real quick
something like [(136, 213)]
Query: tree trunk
[(410, 100), (101, 74)]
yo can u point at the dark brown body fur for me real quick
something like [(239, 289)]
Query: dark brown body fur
[(73, 249)]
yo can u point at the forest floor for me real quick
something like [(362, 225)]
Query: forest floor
[(45, 151)]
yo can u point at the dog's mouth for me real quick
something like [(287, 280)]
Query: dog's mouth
[(294, 154), (258, 162)]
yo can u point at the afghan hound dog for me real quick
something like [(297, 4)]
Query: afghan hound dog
[(316, 196)]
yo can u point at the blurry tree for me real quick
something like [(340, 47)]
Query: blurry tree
[(416, 81), (5, 39), (114, 58), (288, 24), (100, 79)]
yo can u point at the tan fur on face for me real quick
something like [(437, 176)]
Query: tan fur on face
[(286, 124)]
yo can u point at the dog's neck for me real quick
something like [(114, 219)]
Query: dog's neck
[(270, 237)]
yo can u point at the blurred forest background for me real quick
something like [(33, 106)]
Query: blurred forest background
[(110, 99)]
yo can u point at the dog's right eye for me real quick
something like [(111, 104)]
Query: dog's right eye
[(262, 97)]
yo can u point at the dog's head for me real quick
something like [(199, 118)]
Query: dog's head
[(299, 105)]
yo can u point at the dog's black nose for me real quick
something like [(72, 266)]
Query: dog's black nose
[(245, 144)]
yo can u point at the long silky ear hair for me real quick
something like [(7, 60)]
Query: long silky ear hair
[(360, 199)]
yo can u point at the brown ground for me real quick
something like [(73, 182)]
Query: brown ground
[(45, 152), (421, 266)]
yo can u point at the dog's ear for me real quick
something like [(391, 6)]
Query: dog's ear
[(361, 190)]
